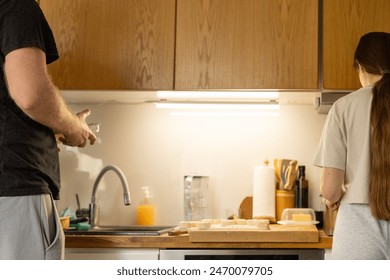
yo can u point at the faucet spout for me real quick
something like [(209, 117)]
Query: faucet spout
[(125, 186)]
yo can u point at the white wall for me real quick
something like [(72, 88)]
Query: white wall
[(157, 149)]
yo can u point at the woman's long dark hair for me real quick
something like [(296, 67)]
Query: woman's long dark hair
[(373, 55)]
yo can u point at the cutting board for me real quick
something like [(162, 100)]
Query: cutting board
[(246, 207), (276, 233)]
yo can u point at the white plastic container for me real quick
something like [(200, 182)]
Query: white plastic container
[(298, 216)]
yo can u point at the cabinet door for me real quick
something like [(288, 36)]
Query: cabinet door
[(247, 44), (111, 253), (345, 21), (112, 44)]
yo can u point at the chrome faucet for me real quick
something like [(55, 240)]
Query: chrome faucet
[(93, 217)]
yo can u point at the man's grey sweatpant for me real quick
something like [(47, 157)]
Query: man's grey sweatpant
[(30, 229)]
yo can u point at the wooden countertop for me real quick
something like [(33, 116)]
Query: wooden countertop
[(182, 242)]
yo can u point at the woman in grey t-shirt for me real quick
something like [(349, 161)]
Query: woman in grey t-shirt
[(354, 152)]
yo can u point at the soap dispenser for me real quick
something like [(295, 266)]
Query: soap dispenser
[(145, 211)]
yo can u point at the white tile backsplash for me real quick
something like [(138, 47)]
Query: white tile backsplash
[(154, 148)]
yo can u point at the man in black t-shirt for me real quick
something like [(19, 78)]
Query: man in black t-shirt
[(31, 112)]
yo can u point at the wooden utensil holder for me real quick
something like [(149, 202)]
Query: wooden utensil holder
[(284, 199)]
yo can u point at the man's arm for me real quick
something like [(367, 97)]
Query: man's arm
[(33, 91)]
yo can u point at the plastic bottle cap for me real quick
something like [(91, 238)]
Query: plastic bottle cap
[(146, 191)]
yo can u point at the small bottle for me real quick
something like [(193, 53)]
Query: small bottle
[(145, 211), (301, 190)]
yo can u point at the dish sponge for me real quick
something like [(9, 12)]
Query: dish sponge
[(83, 226)]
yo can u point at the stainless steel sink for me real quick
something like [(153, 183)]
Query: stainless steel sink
[(122, 230)]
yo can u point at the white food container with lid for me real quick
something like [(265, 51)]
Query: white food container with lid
[(298, 216)]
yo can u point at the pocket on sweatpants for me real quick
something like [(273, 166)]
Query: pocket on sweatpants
[(55, 248)]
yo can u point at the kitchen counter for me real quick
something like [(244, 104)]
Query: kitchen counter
[(182, 242)]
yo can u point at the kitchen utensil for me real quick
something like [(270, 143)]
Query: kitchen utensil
[(78, 202), (286, 173), (277, 167), (284, 167), (291, 175)]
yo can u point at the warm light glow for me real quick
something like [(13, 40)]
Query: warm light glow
[(223, 114), (218, 95), (216, 106)]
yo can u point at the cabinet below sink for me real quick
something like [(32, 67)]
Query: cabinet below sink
[(111, 254)]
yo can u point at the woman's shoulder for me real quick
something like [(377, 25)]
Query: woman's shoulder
[(362, 94), (354, 102)]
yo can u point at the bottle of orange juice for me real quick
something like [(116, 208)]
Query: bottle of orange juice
[(145, 211)]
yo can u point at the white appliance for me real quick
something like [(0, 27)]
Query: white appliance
[(242, 254)]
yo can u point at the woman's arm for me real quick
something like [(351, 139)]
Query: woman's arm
[(332, 180)]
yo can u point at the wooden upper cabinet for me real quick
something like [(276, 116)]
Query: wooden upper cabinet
[(247, 44), (344, 22), (112, 44)]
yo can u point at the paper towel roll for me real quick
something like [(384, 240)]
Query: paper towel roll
[(263, 191)]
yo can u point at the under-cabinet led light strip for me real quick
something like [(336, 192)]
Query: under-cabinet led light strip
[(216, 106), (224, 114), (223, 96)]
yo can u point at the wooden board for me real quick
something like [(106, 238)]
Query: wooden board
[(276, 233), (246, 207)]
